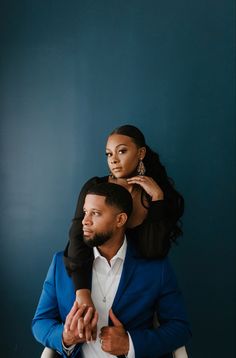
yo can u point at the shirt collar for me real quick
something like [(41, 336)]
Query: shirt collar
[(120, 253)]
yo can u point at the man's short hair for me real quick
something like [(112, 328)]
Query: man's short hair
[(115, 195)]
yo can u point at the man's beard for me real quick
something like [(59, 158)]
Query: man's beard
[(98, 239)]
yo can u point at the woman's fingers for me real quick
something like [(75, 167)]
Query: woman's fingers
[(70, 316), (94, 325), (137, 179), (149, 185), (87, 325), (80, 326), (94, 320), (88, 315), (83, 319)]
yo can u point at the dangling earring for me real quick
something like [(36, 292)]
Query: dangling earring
[(141, 168), (111, 175)]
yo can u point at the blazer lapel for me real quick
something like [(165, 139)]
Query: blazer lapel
[(127, 273)]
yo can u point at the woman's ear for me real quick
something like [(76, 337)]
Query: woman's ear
[(142, 153), (121, 219)]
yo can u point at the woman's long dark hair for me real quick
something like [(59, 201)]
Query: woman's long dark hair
[(156, 170)]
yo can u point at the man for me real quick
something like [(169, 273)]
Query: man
[(127, 291)]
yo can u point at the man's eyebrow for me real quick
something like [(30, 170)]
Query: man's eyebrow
[(93, 209)]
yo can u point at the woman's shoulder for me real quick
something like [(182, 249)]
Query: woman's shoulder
[(95, 180)]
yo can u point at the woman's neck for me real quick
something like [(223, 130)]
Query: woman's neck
[(133, 189)]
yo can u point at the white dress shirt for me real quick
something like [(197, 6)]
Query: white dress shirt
[(105, 281)]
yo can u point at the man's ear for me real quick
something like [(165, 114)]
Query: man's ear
[(121, 219)]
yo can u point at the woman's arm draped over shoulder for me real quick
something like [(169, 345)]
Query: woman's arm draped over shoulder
[(78, 257), (153, 236)]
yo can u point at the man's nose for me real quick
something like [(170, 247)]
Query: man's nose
[(86, 220)]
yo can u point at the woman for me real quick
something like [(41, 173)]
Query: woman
[(157, 206)]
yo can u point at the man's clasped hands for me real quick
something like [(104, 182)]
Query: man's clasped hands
[(81, 326)]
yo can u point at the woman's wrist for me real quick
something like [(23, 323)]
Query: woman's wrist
[(158, 196), (83, 296)]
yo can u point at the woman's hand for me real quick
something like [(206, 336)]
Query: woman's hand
[(79, 317), (83, 298), (149, 185)]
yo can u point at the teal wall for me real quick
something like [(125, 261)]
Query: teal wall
[(70, 72)]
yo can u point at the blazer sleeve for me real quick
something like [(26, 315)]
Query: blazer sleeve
[(47, 326), (174, 330), (78, 257)]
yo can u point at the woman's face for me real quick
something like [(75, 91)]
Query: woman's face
[(123, 155)]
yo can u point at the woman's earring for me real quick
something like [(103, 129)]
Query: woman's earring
[(111, 175), (141, 168)]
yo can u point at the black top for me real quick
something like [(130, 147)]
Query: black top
[(152, 237)]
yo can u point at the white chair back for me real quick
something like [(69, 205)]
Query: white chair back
[(49, 353), (180, 353)]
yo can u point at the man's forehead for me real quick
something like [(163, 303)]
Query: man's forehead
[(94, 200)]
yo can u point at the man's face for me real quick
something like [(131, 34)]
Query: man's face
[(99, 222)]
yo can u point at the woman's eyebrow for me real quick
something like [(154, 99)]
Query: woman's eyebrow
[(118, 145)]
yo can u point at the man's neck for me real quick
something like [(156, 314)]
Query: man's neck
[(111, 247)]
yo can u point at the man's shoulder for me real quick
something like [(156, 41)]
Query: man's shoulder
[(131, 249), (57, 259), (58, 255), (147, 268), (150, 273), (58, 267)]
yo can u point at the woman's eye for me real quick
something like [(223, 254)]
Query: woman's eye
[(108, 154), (122, 151)]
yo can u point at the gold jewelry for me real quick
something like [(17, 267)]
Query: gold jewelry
[(141, 168), (111, 175)]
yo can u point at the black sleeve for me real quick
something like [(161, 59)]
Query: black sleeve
[(152, 237), (78, 257)]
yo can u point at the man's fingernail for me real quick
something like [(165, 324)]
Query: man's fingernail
[(80, 335)]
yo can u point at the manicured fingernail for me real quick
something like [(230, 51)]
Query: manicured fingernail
[(80, 335)]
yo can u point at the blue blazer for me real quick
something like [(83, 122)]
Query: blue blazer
[(146, 287)]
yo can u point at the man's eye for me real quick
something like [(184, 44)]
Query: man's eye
[(96, 213)]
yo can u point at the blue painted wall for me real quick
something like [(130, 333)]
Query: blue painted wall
[(71, 71)]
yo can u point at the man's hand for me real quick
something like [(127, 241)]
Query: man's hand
[(114, 340), (72, 334)]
